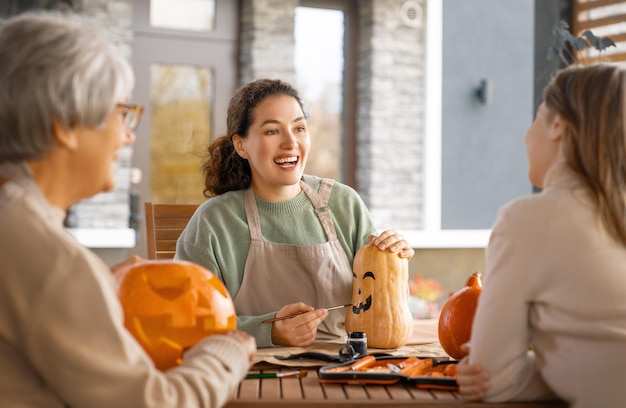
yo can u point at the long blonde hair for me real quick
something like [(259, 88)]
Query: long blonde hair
[(591, 99)]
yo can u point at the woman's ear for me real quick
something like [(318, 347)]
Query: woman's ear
[(240, 146), (557, 129), (65, 137)]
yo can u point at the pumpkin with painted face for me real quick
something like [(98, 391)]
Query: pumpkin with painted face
[(170, 305), (380, 298)]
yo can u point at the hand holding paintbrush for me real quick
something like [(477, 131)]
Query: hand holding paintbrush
[(298, 314)]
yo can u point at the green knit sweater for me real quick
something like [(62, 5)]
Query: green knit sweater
[(217, 236)]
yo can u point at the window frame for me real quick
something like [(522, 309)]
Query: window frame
[(349, 7)]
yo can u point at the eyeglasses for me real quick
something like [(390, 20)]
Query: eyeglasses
[(131, 114)]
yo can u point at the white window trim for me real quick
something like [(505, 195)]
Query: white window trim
[(432, 236), (104, 237), (422, 239)]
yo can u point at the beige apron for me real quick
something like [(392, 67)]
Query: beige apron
[(279, 274)]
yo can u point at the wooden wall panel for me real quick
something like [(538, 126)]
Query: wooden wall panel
[(603, 18)]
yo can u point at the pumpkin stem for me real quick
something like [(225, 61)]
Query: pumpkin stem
[(474, 280)]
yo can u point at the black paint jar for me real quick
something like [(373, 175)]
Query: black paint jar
[(358, 342)]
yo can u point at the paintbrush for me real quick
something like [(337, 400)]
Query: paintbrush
[(298, 373), (298, 314)]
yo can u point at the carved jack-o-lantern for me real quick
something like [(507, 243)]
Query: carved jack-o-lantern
[(171, 305), (379, 298)]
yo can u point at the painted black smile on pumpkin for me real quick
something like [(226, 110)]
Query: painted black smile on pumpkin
[(362, 306), (368, 302)]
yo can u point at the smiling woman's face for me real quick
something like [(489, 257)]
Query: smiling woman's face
[(277, 146)]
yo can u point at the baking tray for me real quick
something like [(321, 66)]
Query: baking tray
[(379, 373)]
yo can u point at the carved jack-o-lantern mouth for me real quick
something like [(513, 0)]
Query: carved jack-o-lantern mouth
[(362, 306)]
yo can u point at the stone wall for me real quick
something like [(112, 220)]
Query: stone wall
[(390, 119), (267, 40), (111, 209)]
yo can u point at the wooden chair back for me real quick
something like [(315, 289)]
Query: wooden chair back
[(164, 224)]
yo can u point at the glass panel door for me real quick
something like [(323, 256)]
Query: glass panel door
[(180, 98), (185, 78)]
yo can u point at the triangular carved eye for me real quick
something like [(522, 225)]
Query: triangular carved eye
[(169, 287)]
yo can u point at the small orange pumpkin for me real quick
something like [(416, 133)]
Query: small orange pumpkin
[(457, 317), (380, 298), (170, 305)]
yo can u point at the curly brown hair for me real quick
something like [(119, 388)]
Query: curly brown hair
[(224, 170)]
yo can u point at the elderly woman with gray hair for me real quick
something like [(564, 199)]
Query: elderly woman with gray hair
[(64, 116)]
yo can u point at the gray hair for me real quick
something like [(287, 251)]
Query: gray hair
[(55, 66)]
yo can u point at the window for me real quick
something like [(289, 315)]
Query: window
[(184, 77), (324, 40), (181, 105), (319, 68), (195, 15)]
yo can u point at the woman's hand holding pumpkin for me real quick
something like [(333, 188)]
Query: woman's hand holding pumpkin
[(297, 331), (472, 379), (393, 241)]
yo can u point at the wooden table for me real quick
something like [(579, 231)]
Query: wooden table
[(308, 392)]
